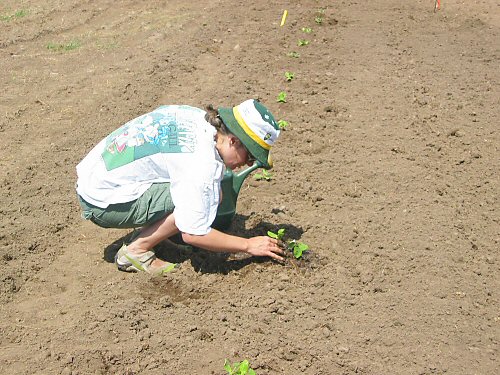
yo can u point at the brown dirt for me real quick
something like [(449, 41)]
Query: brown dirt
[(389, 171)]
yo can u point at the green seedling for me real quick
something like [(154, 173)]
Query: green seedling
[(264, 175), (18, 14), (319, 18), (278, 236), (281, 97), (289, 76), (238, 368), (307, 30), (293, 54), (282, 124), (302, 42), (74, 44), (295, 247)]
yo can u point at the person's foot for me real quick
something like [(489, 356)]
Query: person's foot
[(156, 264), (133, 259)]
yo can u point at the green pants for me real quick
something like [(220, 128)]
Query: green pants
[(155, 204)]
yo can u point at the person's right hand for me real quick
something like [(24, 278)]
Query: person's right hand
[(263, 246)]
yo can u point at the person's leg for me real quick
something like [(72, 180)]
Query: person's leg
[(154, 204), (152, 211), (150, 236)]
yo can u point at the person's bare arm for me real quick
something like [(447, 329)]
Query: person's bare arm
[(221, 242)]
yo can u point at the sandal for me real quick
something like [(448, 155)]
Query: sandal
[(128, 262)]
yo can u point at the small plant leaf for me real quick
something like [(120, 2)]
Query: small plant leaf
[(243, 368), (239, 368), (282, 124), (227, 367), (281, 97), (294, 54), (298, 249), (264, 175), (272, 234), (279, 235), (302, 42), (289, 76), (307, 30)]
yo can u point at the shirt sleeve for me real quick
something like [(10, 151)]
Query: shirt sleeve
[(195, 204)]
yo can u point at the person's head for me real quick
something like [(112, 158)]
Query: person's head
[(250, 129)]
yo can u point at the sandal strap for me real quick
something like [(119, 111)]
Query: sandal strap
[(145, 258), (141, 262)]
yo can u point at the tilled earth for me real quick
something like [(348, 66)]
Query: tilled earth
[(388, 171)]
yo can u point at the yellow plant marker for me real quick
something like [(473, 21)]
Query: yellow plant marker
[(283, 19)]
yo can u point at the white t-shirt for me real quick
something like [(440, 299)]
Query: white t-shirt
[(171, 144)]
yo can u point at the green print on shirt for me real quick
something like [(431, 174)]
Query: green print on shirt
[(153, 133)]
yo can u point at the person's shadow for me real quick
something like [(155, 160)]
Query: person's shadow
[(175, 250)]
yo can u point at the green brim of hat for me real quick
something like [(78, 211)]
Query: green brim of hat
[(257, 151)]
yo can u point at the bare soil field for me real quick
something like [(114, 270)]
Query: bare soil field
[(388, 170)]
